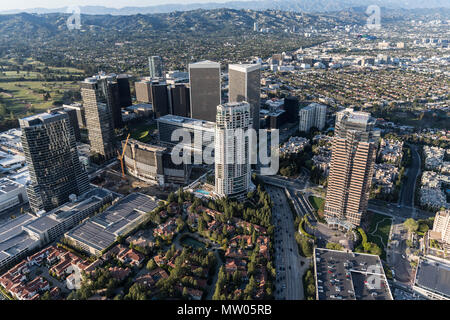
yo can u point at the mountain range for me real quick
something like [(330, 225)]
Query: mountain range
[(309, 6)]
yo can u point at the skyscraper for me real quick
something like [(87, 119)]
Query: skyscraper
[(99, 120), (314, 115), (232, 158), (143, 91), (352, 162), (291, 105), (160, 99), (124, 90), (50, 151), (204, 78), (244, 85), (180, 100), (155, 67)]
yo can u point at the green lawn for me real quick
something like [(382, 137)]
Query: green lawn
[(384, 227), (317, 203), (26, 97), (142, 132)]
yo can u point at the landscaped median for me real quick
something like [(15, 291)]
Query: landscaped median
[(5, 294)]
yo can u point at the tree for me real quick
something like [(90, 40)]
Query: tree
[(151, 264), (411, 224)]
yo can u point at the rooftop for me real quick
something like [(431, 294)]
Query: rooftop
[(101, 231), (349, 276), (434, 276)]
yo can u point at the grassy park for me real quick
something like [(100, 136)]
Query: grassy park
[(380, 226)]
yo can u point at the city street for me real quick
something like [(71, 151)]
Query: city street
[(289, 284), (396, 253), (407, 192)]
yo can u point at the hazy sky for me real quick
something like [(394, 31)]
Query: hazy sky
[(26, 4)]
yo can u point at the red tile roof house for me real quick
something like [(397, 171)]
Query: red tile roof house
[(194, 294), (234, 242), (29, 290), (131, 257), (119, 273), (151, 278)]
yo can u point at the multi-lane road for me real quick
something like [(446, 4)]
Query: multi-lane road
[(406, 198), (289, 284)]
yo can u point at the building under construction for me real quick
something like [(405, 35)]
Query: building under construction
[(153, 164)]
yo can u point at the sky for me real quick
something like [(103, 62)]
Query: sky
[(27, 4)]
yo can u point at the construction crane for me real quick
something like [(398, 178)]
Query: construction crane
[(120, 156)]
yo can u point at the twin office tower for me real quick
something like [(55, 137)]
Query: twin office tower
[(206, 90)]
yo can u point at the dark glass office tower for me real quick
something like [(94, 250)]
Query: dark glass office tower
[(204, 78), (50, 151), (180, 100), (110, 87), (99, 120), (291, 106), (124, 90), (244, 82), (160, 100)]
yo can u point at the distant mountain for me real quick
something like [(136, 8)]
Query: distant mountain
[(309, 6)]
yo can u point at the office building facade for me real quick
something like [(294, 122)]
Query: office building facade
[(204, 79), (179, 97), (232, 156), (143, 91), (244, 82), (153, 164), (352, 163), (50, 151), (123, 82)]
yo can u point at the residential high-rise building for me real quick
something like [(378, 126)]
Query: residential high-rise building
[(73, 118), (99, 119), (232, 150), (352, 161), (155, 67), (79, 109), (441, 227), (204, 78), (50, 150), (314, 115), (245, 85), (123, 81)]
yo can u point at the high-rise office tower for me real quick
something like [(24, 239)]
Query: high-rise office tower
[(232, 157), (180, 100), (352, 162), (245, 85), (51, 153), (314, 115), (99, 120), (124, 90), (143, 91), (291, 105), (204, 78), (160, 99), (156, 67)]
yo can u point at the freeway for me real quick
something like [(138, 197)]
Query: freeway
[(289, 283), (406, 198)]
